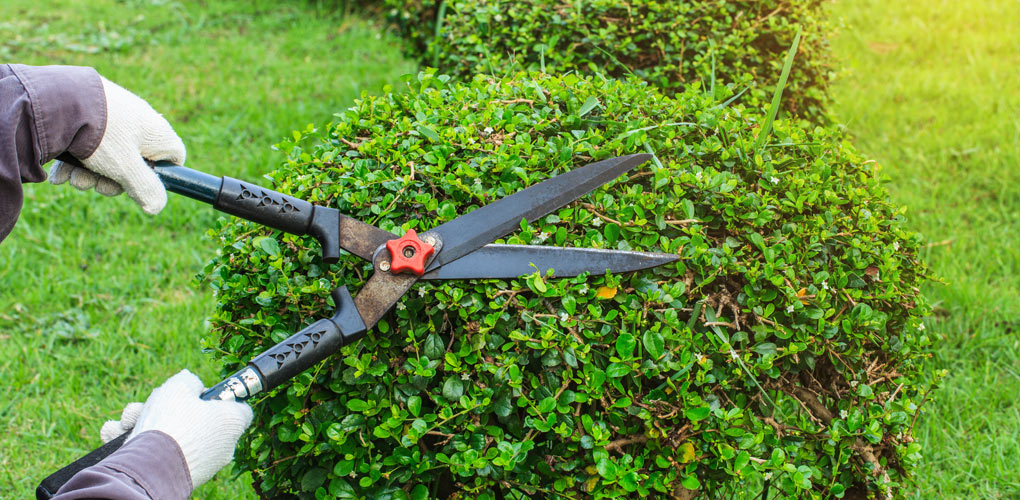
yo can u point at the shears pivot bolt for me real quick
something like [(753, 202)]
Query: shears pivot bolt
[(409, 253)]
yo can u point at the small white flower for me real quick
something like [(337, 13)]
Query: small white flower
[(401, 306), (488, 130), (584, 289), (853, 383), (465, 376), (478, 182), (789, 308), (563, 316), (774, 179), (896, 245), (421, 292), (768, 475), (542, 237), (700, 357), (920, 327), (842, 414), (597, 222), (825, 284), (698, 175)]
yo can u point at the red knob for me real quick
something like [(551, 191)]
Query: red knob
[(409, 253)]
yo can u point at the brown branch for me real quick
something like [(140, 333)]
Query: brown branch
[(349, 143), (620, 443)]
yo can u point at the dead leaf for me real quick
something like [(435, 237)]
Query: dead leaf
[(686, 452), (604, 292)]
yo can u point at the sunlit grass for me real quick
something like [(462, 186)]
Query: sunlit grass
[(931, 91), (96, 301)]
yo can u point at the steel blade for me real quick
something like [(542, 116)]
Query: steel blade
[(497, 219), (380, 292), (512, 261), (362, 239)]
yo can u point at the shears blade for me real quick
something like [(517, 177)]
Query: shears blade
[(512, 261), (470, 231)]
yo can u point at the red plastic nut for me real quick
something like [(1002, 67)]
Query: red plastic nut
[(409, 253)]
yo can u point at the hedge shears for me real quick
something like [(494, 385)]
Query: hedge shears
[(458, 249)]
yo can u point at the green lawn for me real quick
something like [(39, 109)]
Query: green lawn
[(931, 92), (96, 301)]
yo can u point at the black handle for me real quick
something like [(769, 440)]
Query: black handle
[(257, 204), (266, 371), (252, 202)]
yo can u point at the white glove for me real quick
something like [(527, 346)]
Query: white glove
[(133, 131), (113, 428), (206, 431)]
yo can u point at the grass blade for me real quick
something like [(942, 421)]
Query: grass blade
[(778, 96), (438, 31)]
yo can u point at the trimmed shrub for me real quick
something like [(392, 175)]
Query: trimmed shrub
[(785, 350), (665, 42)]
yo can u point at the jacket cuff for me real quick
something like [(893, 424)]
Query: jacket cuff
[(155, 461), (68, 106)]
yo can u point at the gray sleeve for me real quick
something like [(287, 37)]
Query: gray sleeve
[(45, 111), (150, 466)]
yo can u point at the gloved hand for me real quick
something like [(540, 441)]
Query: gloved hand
[(133, 131), (206, 431)]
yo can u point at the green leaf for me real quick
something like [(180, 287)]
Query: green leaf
[(358, 405), (654, 343), (629, 481), (502, 404), (691, 482), (335, 432), (414, 405), (453, 389), (428, 132), (420, 492), (269, 245), (569, 304), (547, 405), (625, 344), (589, 104), (434, 347), (313, 479), (612, 232), (352, 422), (616, 370), (698, 413), (765, 349), (340, 488)]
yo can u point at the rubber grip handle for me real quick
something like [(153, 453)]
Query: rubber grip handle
[(255, 203), (264, 206), (314, 343)]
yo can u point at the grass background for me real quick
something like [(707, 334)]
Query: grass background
[(96, 300), (931, 92)]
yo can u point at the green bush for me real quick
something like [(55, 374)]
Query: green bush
[(784, 350), (668, 43)]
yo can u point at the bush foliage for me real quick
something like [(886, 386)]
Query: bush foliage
[(665, 42), (785, 350)]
